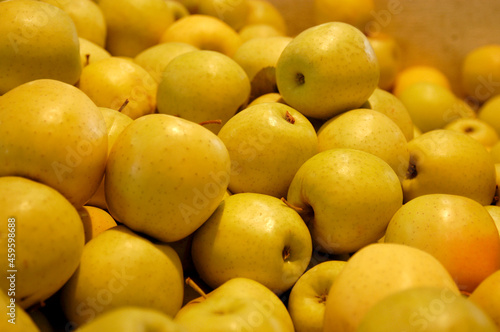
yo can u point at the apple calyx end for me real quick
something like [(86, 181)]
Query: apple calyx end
[(411, 173), (289, 117), (300, 79), (322, 298)]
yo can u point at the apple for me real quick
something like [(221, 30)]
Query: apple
[(375, 272), (426, 309), (488, 112), (479, 72), (91, 52), (254, 236), (345, 63), (306, 303), (42, 240), (270, 97), (355, 12), (165, 176), (386, 103), (432, 106), (494, 211), (95, 221), (120, 268), (486, 296), (59, 138), (264, 12), (155, 58), (15, 319), (267, 144), (449, 162), (476, 128), (234, 13), (347, 197), (30, 28), (134, 25), (390, 58), (112, 81), (177, 8), (204, 32), (370, 131), (457, 230), (253, 31), (202, 86), (88, 18), (132, 319), (418, 74), (239, 304)]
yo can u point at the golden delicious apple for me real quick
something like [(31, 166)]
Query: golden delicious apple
[(204, 32), (134, 25), (42, 240), (489, 112), (95, 221), (88, 18), (267, 144), (417, 74), (355, 12), (369, 131), (476, 128), (457, 230), (234, 13), (426, 309), (59, 138), (252, 31), (264, 12), (112, 81), (177, 8), (271, 97), (386, 103), (240, 304), (449, 162), (306, 303), (390, 58), (165, 176), (201, 86), (91, 52), (14, 318), (494, 210), (120, 268), (37, 41), (487, 297), (347, 197), (375, 272), (433, 106), (132, 319), (480, 72), (155, 58), (323, 81), (255, 236)]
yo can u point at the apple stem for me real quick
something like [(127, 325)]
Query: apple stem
[(87, 59), (296, 208), (195, 286), (210, 122), (286, 253), (123, 105), (289, 117)]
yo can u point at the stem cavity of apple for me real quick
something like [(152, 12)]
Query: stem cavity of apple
[(289, 117), (322, 298), (286, 253), (87, 59), (300, 79)]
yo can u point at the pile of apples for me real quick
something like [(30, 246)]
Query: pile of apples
[(189, 166)]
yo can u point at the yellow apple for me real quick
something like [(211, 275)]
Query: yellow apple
[(37, 41), (487, 297), (177, 8), (252, 31), (42, 240), (494, 211), (165, 176), (480, 72), (489, 113), (112, 81), (202, 86), (476, 128), (95, 221), (457, 230), (390, 58), (120, 268), (255, 236), (265, 12), (418, 74), (91, 52), (354, 12), (345, 63), (306, 303), (59, 138), (204, 32), (271, 97), (234, 13), (375, 272), (14, 318)]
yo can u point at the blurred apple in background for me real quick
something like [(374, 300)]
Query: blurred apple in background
[(254, 236), (354, 12), (346, 197), (306, 303), (201, 86), (449, 162), (112, 273), (69, 147), (375, 272), (267, 144), (177, 8), (458, 231), (419, 74), (370, 131), (234, 13), (477, 129), (31, 27), (165, 176), (47, 231), (306, 75), (426, 309), (265, 12), (390, 58), (489, 112), (253, 31), (487, 296)]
